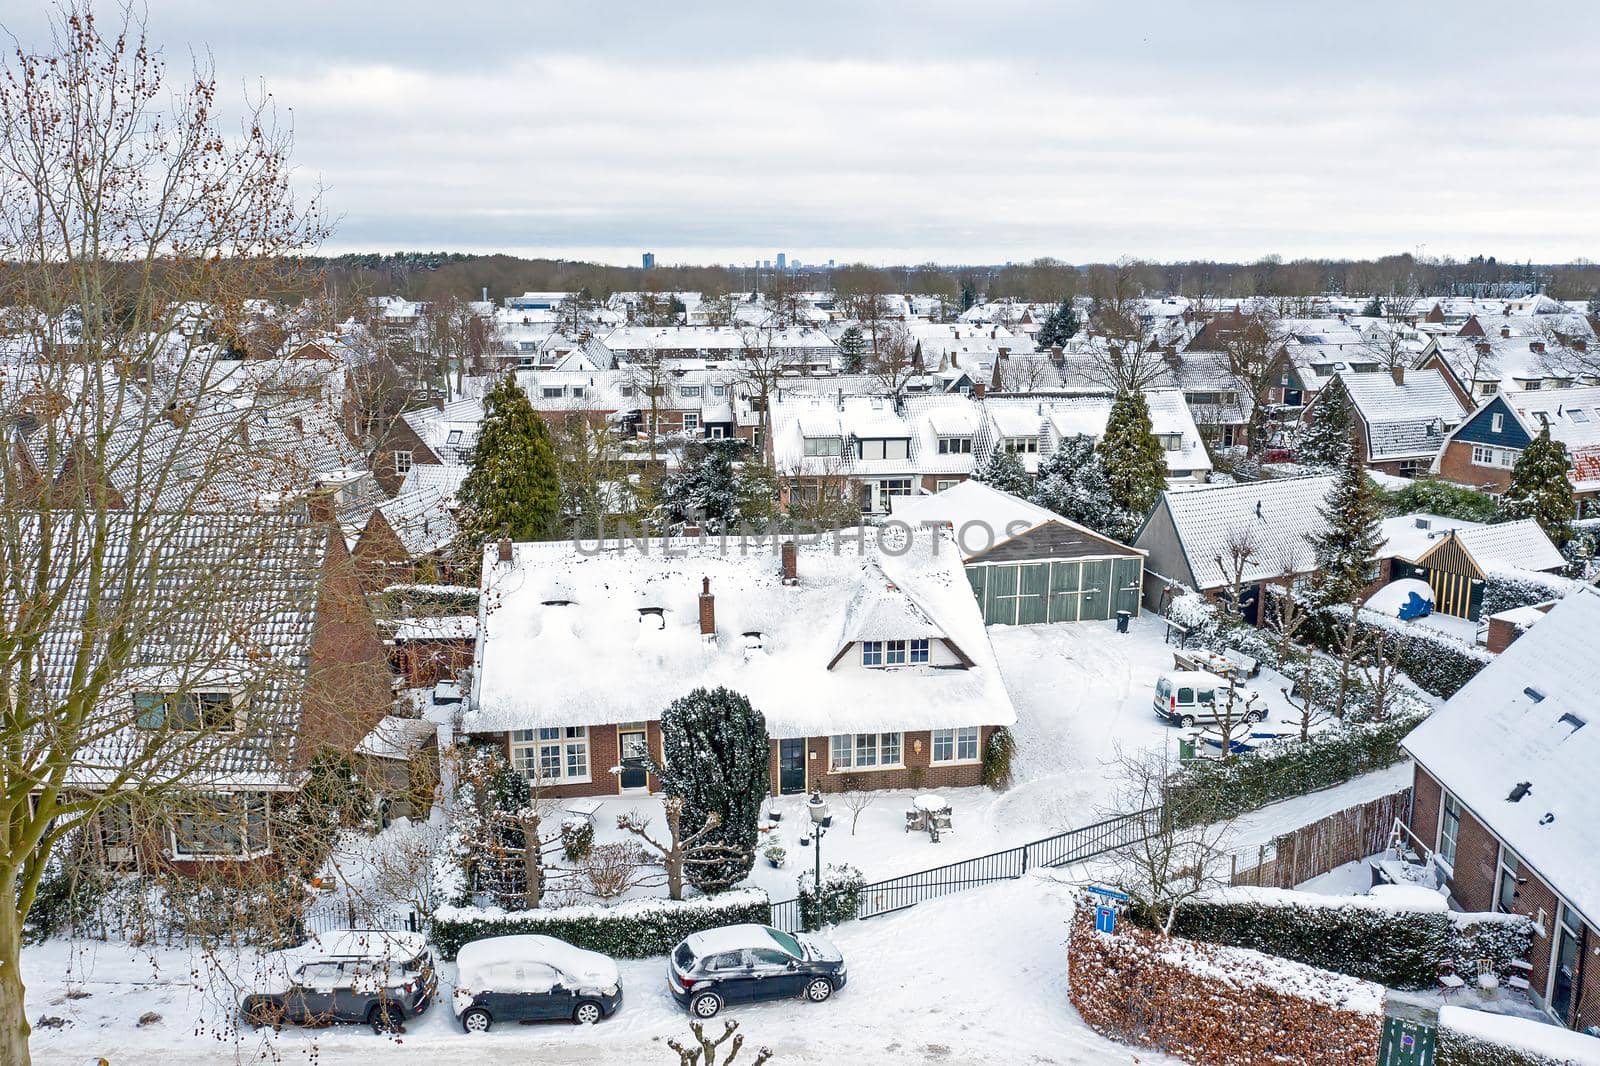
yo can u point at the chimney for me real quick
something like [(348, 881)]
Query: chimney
[(1483, 347), (319, 506), (1005, 353), (1398, 373), (1505, 331), (1536, 347), (1057, 353), (504, 553), (1579, 344), (708, 611), (791, 563), (977, 390)]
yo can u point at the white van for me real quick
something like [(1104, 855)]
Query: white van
[(1190, 696)]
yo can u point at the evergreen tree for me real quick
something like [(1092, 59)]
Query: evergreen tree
[(853, 343), (1060, 327), (716, 751), (1325, 434), (1072, 483), (1345, 548), (515, 480), (1540, 488), (1004, 471), (1135, 465), (969, 294), (1373, 309), (715, 491)]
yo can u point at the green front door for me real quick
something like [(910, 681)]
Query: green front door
[(1096, 602), (1125, 577), (1064, 591), (1035, 586)]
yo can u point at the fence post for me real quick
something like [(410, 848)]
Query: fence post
[(1024, 872)]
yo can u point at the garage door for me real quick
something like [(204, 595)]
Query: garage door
[(1034, 581), (1126, 575), (1096, 581), (1064, 592), (1000, 603)]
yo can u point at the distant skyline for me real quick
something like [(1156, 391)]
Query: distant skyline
[(890, 133)]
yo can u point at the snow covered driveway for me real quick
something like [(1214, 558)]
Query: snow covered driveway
[(979, 977)]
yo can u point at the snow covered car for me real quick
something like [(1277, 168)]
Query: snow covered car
[(747, 962), (1190, 696), (532, 979), (373, 976)]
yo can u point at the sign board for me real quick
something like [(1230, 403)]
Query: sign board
[(1105, 920), (1109, 893)]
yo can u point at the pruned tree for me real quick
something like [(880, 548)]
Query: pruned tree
[(500, 817), (650, 376), (706, 1049), (716, 761), (855, 799), (685, 848), (1241, 551)]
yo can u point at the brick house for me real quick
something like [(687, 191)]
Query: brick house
[(1504, 799), (870, 664), (408, 536), (1400, 418), (1484, 448)]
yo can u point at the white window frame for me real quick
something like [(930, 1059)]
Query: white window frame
[(1022, 445), (1448, 858), (716, 432), (1497, 422), (689, 392), (402, 462), (549, 760), (942, 484), (691, 420), (256, 800), (1501, 870), (953, 741), (169, 698), (551, 392), (955, 445), (824, 447), (847, 750)]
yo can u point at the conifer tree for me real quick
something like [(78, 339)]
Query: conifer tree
[(1060, 327), (1072, 483), (1136, 467), (1003, 470), (515, 480), (715, 491), (1326, 433), (853, 344), (1540, 489), (716, 751), (1373, 309), (969, 294), (1345, 548)]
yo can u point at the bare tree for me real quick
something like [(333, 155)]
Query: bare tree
[(123, 206), (762, 361), (650, 375), (456, 340), (707, 1049), (1122, 349), (1306, 698), (1387, 345), (1383, 677), (682, 849), (1254, 356), (893, 361), (1242, 550), (855, 799)]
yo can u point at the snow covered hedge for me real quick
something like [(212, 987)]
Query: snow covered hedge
[(1506, 590), (1398, 945), (1218, 1006), (632, 930), (1209, 790), (1478, 1038), (1435, 662)]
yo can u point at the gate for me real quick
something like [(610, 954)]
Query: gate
[(1410, 1034)]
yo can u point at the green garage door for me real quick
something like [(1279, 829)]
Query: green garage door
[(1035, 586), (1064, 592), (1096, 590), (975, 575), (1125, 577), (1000, 605)]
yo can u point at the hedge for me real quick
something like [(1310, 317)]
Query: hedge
[(841, 897), (1436, 663), (1476, 1038), (1210, 790), (1357, 936), (1506, 590), (633, 930)]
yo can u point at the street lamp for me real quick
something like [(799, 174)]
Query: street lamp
[(818, 810)]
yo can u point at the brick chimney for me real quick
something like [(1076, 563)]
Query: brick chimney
[(504, 553), (319, 506), (1398, 373), (1536, 347), (977, 390), (1505, 331), (1483, 347), (791, 572), (708, 611)]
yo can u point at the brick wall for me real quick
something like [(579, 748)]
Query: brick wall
[(1425, 798), (1589, 995), (916, 752), (349, 684), (1455, 464), (1477, 858)]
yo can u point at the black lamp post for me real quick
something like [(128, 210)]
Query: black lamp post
[(818, 810)]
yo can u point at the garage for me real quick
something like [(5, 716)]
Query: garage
[(1057, 590)]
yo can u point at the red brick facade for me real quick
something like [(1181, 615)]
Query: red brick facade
[(1455, 464)]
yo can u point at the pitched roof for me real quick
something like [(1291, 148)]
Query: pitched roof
[(995, 517), (1270, 521), (1519, 545), (1510, 726)]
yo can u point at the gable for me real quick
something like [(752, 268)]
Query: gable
[(1053, 540), (1479, 429)]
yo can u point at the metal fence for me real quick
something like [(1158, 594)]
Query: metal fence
[(1063, 849)]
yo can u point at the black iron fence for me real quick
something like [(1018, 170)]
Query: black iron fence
[(1063, 849)]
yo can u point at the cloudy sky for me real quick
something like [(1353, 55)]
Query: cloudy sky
[(974, 132)]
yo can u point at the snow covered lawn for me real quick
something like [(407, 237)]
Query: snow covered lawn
[(979, 977)]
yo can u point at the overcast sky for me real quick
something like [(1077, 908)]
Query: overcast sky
[(978, 132)]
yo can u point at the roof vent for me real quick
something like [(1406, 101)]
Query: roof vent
[(1423, 523), (657, 615), (559, 603), (1533, 694), (1548, 818), (1573, 720), (1522, 789)]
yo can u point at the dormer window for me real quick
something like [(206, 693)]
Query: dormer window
[(893, 652), (689, 392), (824, 446), (654, 617), (955, 445), (884, 448), (214, 711)]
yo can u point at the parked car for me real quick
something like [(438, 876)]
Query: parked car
[(1190, 696), (532, 979), (373, 976), (747, 962)]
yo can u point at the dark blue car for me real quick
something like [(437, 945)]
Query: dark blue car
[(738, 963)]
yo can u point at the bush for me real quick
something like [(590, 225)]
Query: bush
[(1435, 663), (1357, 936), (577, 839), (1506, 590), (1430, 496), (997, 754), (1476, 1038), (68, 897), (633, 930), (841, 897), (1209, 790)]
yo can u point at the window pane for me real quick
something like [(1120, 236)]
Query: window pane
[(897, 653), (578, 760), (866, 749), (919, 651), (889, 749), (943, 745), (840, 751), (872, 653), (968, 746)]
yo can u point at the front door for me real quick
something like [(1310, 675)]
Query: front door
[(791, 766), (635, 747), (1565, 979)]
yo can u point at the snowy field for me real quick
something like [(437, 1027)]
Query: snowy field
[(979, 977)]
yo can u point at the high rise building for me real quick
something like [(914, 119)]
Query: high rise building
[(649, 260), (782, 261)]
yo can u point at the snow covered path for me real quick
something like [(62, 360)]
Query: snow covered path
[(974, 978)]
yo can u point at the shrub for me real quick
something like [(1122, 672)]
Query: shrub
[(1431, 496), (577, 838), (1209, 790), (1359, 936), (1436, 663), (997, 754), (1505, 590), (612, 869), (1477, 1038), (633, 930), (68, 897), (841, 897)]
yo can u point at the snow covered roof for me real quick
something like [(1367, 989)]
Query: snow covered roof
[(1410, 536), (1404, 419), (396, 738), (972, 503), (1272, 519), (1525, 720), (1519, 545), (585, 637)]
